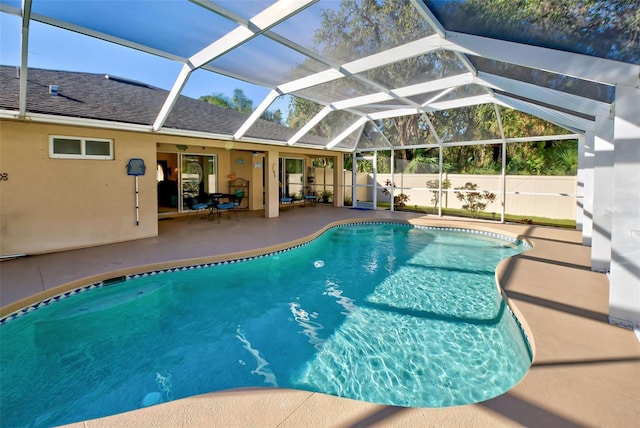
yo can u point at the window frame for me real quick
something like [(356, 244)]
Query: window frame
[(83, 148)]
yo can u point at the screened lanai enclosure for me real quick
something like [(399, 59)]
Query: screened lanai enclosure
[(522, 104)]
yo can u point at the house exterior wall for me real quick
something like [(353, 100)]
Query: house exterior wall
[(55, 204), (51, 204)]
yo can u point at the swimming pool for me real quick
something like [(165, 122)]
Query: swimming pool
[(386, 313)]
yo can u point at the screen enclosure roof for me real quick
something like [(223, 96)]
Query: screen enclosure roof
[(349, 70)]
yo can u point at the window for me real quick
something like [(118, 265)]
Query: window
[(80, 148)]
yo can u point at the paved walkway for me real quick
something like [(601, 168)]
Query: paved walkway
[(586, 372)]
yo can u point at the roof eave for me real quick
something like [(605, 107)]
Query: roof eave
[(121, 126)]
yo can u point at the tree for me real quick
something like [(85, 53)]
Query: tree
[(241, 102), (357, 28), (238, 102), (434, 184), (421, 162), (604, 28), (474, 200), (543, 158), (218, 99), (400, 200), (301, 111), (273, 116), (364, 27), (565, 158)]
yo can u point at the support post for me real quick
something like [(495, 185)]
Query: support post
[(584, 203), (503, 180), (440, 180), (338, 181), (624, 288), (602, 195), (272, 207), (354, 179)]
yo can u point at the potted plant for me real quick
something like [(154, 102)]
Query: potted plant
[(325, 195)]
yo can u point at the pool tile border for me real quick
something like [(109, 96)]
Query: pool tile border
[(107, 282)]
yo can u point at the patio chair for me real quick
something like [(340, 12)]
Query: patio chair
[(198, 208), (310, 198), (286, 202), (297, 199), (236, 198), (218, 206)]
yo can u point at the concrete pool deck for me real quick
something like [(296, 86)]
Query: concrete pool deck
[(586, 372)]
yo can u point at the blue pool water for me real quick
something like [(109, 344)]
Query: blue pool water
[(385, 313)]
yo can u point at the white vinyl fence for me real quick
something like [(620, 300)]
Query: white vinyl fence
[(540, 196)]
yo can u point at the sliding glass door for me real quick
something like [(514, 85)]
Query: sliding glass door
[(291, 178), (198, 179), (184, 180)]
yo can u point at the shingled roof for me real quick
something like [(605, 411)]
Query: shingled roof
[(110, 98)]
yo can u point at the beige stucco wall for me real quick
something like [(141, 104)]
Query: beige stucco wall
[(53, 204), (57, 204)]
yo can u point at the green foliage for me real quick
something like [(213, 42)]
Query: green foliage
[(605, 28), (362, 27), (476, 159), (465, 123), (218, 99), (327, 162), (520, 124), (241, 102), (388, 187), (474, 200), (273, 116), (543, 158), (348, 161), (326, 194), (478, 122), (565, 159), (365, 165), (238, 102), (301, 111), (399, 201), (422, 163), (530, 158)]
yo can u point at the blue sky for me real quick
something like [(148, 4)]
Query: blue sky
[(54, 48)]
